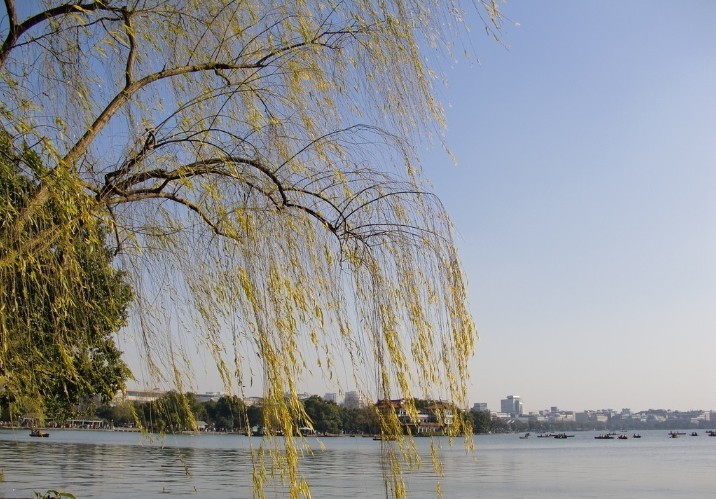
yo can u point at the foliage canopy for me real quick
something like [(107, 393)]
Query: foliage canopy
[(254, 161), (61, 304)]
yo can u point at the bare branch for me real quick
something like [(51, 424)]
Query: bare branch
[(128, 78), (12, 32), (16, 30), (129, 90), (123, 192), (184, 202)]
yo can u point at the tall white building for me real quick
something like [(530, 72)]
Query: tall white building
[(353, 400), (512, 405), (330, 397)]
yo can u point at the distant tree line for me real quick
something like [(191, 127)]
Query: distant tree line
[(176, 412)]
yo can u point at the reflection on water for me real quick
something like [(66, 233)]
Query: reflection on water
[(106, 464)]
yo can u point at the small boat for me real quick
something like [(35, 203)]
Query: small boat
[(604, 437), (636, 435), (387, 438), (622, 437), (527, 435), (694, 434), (38, 433)]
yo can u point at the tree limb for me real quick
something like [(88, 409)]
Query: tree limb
[(15, 30), (129, 67), (128, 91), (124, 194), (184, 202)]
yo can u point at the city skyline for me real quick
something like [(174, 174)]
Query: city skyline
[(357, 400)]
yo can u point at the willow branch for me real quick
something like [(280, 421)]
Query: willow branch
[(184, 202), (16, 30), (81, 146), (123, 193), (129, 67)]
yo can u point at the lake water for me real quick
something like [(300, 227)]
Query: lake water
[(122, 465)]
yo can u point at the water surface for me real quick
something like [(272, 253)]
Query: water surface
[(121, 465)]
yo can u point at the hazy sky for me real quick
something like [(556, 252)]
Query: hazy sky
[(585, 200)]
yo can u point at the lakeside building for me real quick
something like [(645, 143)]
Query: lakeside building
[(512, 405), (208, 396), (628, 418), (141, 395), (331, 397), (562, 416), (435, 418), (156, 393)]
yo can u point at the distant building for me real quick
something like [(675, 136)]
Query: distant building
[(554, 415), (254, 401), (330, 397), (504, 416), (436, 418), (480, 407), (591, 417), (512, 405), (353, 400), (699, 417), (207, 396), (143, 395), (585, 417), (537, 417)]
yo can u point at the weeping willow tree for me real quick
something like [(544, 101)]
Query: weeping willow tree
[(255, 163)]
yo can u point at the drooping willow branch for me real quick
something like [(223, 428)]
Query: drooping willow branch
[(18, 29), (133, 87), (120, 190)]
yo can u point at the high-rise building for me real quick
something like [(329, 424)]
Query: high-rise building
[(353, 400), (512, 405), (480, 407), (330, 397)]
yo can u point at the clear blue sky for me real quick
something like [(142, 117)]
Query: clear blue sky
[(585, 201)]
